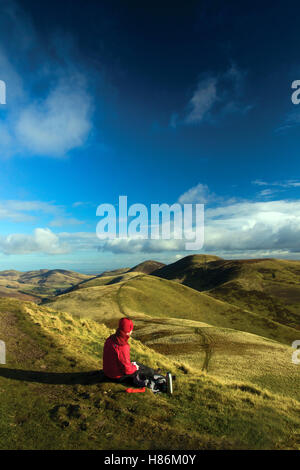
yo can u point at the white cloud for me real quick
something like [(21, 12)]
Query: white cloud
[(81, 241), (42, 241), (235, 229), (275, 187), (58, 124), (272, 225), (136, 245), (78, 204), (202, 100), (215, 97), (197, 194), (267, 192), (243, 229), (61, 119), (260, 183), (30, 211), (201, 194), (282, 184), (83, 204), (24, 211), (63, 221), (291, 120)]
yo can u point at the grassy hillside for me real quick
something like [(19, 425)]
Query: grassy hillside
[(223, 352), (102, 280), (114, 272), (116, 276), (35, 285), (141, 295), (147, 267), (268, 287), (161, 298), (98, 303), (51, 399)]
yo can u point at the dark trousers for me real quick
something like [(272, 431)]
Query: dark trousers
[(144, 372)]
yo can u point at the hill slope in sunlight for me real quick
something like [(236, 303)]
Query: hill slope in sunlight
[(117, 275), (147, 267), (148, 295)]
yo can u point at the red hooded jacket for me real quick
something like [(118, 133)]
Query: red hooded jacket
[(116, 352)]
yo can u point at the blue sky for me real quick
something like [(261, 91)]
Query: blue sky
[(188, 103)]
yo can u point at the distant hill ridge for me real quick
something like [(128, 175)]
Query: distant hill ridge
[(267, 287), (115, 276), (34, 285), (147, 267)]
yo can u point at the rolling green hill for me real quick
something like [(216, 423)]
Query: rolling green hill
[(113, 272), (53, 398), (147, 267), (116, 276), (102, 280), (267, 287), (147, 295)]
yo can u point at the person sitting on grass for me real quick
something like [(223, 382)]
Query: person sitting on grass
[(116, 357)]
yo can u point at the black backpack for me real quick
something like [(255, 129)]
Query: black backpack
[(157, 383)]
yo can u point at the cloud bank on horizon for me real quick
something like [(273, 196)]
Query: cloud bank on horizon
[(232, 228)]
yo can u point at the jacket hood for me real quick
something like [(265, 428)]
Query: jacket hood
[(126, 325), (121, 336)]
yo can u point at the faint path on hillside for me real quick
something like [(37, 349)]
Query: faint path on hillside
[(208, 346), (118, 296), (207, 340)]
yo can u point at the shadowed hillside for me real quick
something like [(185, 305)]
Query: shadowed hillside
[(186, 267)]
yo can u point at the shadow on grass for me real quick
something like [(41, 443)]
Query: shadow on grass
[(55, 378)]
